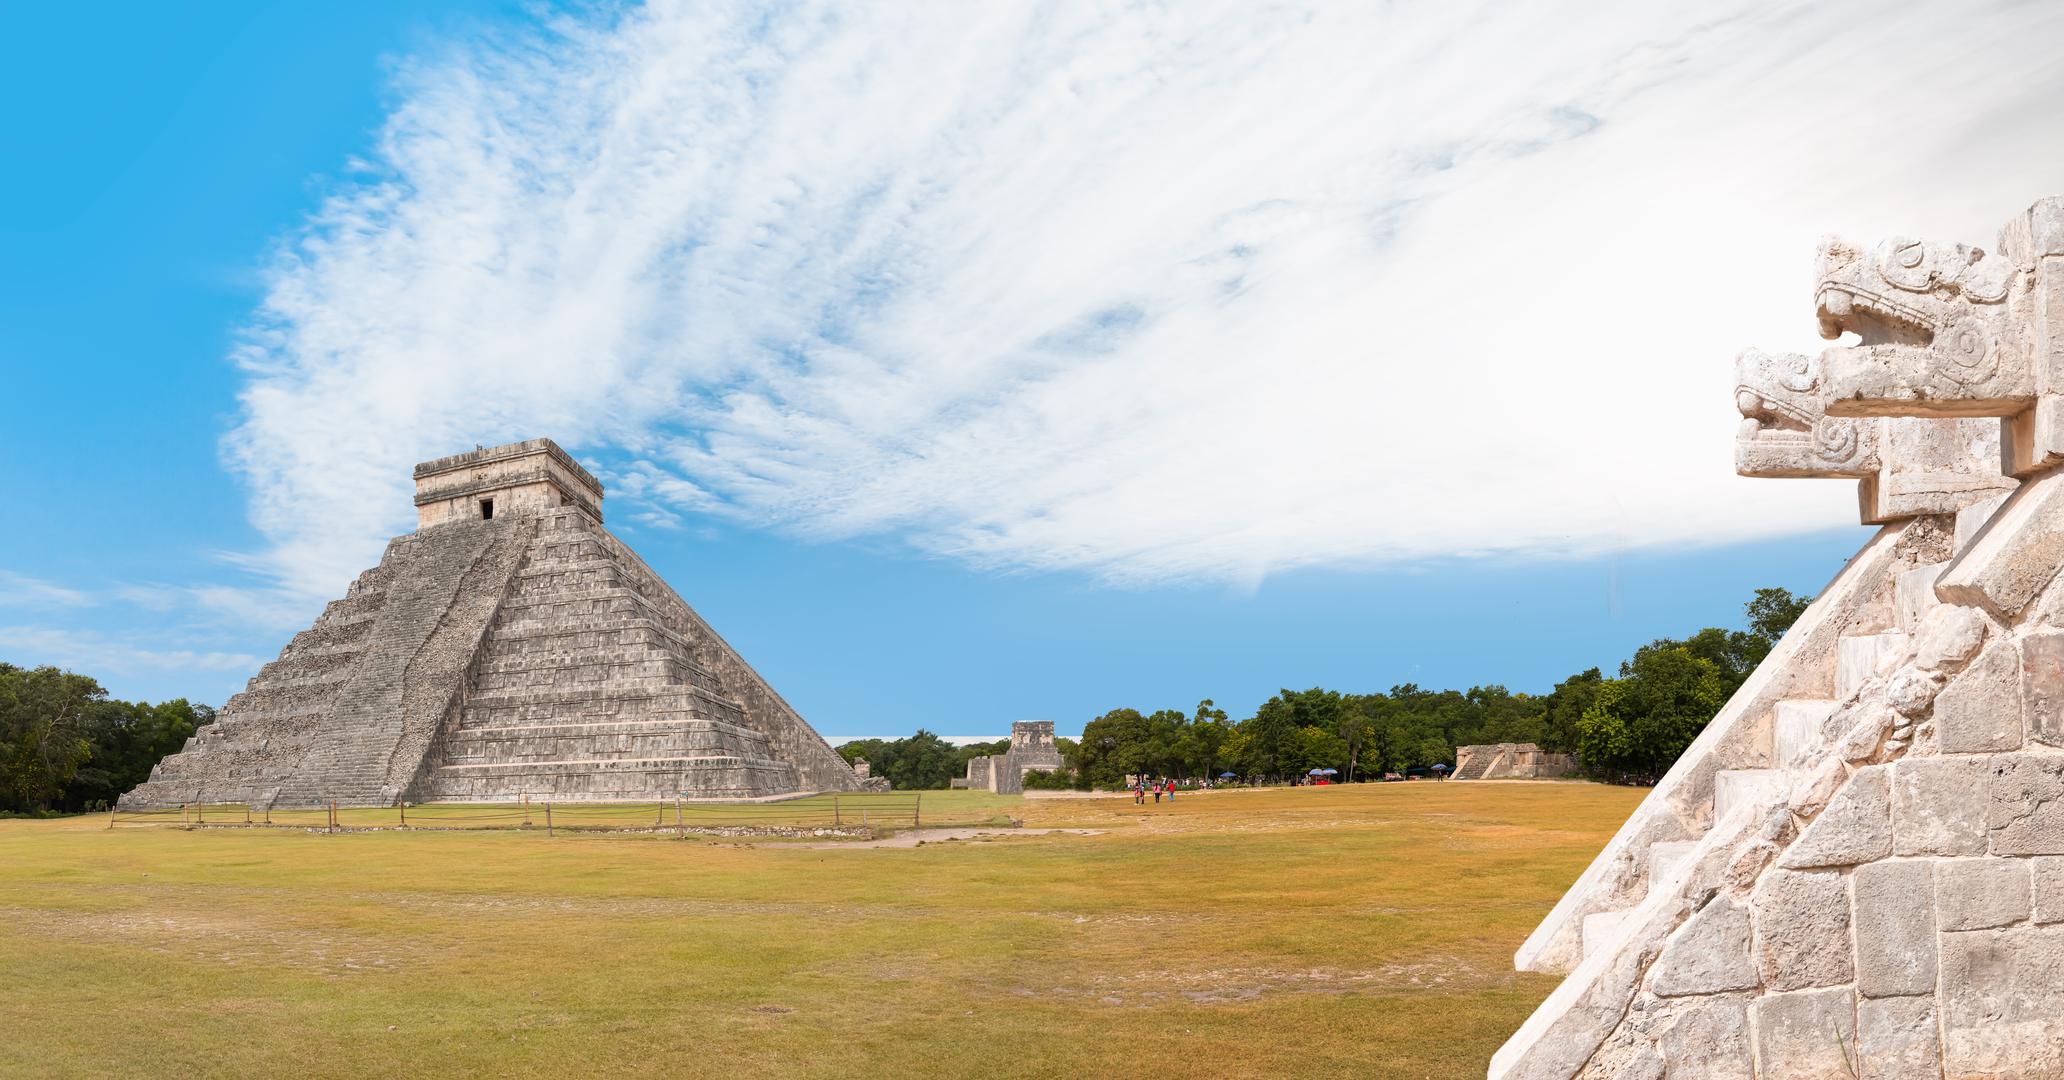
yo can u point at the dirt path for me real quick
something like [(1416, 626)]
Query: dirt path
[(910, 838)]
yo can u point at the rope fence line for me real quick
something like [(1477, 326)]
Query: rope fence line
[(862, 813)]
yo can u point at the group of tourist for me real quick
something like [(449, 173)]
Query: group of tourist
[(1142, 787)]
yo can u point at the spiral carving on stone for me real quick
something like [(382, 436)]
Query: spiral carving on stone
[(1798, 372), (1837, 440)]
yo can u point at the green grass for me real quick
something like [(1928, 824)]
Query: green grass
[(1364, 930)]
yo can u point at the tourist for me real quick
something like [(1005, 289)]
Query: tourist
[(1157, 794), (1171, 791)]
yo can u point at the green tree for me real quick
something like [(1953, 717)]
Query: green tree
[(1638, 724), (1771, 612), (1562, 709), (43, 733), (1356, 729), (127, 740), (921, 762)]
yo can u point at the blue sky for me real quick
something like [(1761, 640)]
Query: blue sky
[(1159, 362)]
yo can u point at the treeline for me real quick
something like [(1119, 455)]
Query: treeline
[(66, 746), (1627, 727), (921, 762)]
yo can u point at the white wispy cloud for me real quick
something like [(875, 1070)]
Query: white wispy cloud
[(103, 655), (1199, 291), (20, 590)]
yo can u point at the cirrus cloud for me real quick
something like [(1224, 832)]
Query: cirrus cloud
[(1201, 292)]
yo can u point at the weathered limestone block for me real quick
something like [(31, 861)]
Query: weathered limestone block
[(1660, 1037), (1713, 1031), (1710, 955), (1949, 635), (1855, 828), (1802, 666), (2049, 889), (1801, 1035), (1906, 921), (1981, 894), (2010, 563), (2025, 814), (1896, 1039), (1802, 929), (1939, 806), (2042, 686), (2003, 1003), (1627, 1055), (1911, 691), (1569, 1028), (1895, 919), (1980, 710)]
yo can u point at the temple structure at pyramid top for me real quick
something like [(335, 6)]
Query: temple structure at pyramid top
[(528, 477), (509, 647)]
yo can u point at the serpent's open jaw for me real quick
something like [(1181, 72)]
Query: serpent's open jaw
[(1872, 316)]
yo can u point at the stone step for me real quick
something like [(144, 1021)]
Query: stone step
[(1736, 787), (1915, 592), (649, 725), (1972, 518), (587, 704), (1858, 659), (641, 738), (635, 657), (1666, 858), (1604, 929), (1796, 729), (715, 776)]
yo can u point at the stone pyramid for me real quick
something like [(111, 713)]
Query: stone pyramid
[(1857, 870), (510, 646)]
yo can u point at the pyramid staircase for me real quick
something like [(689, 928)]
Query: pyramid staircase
[(1784, 750), (1480, 766), (586, 692), (1774, 728)]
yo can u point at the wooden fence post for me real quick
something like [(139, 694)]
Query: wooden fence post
[(333, 815), (197, 815), (917, 811), (404, 815), (548, 817), (680, 827), (835, 822), (247, 813), (526, 810), (111, 817)]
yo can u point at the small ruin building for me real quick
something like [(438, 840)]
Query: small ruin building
[(1511, 761), (509, 647), (1032, 747)]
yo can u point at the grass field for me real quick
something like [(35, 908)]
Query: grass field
[(1363, 930)]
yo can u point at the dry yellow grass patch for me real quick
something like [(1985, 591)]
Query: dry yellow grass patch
[(1364, 929)]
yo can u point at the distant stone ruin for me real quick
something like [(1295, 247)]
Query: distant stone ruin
[(1032, 747), (1510, 761), (1857, 870), (510, 646)]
